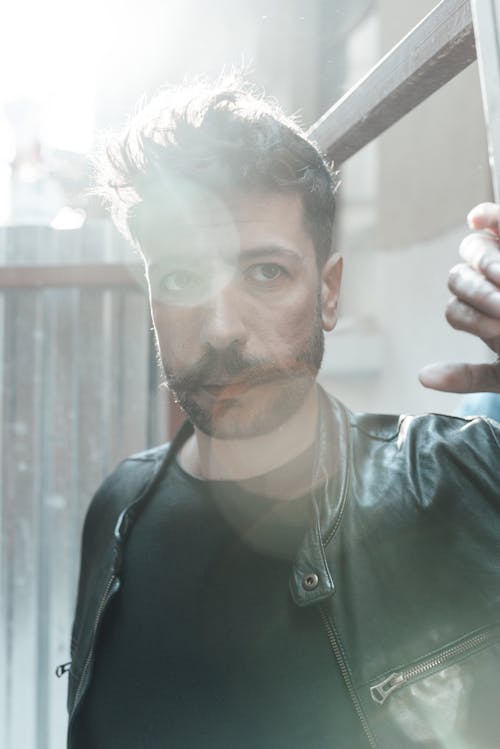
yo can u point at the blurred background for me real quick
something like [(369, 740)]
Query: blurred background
[(78, 383)]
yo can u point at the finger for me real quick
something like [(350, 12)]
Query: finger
[(463, 317), (485, 216), (462, 378), (482, 253), (474, 290)]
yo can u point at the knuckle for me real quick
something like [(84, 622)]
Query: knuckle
[(478, 250), (467, 240), (452, 312), (490, 257), (455, 275), (465, 245), (491, 297), (462, 316)]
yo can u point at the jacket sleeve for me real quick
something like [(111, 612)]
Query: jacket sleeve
[(99, 552)]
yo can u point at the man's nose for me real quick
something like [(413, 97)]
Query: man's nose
[(222, 323)]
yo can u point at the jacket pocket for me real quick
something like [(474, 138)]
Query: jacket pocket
[(436, 661), (448, 698)]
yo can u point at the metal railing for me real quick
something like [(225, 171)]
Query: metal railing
[(443, 44), (79, 392)]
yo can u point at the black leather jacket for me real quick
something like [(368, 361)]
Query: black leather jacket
[(402, 562)]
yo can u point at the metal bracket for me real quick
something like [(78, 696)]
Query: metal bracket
[(486, 20), (430, 55)]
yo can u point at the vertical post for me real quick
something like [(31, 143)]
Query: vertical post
[(486, 20)]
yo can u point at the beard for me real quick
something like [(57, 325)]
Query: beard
[(274, 389)]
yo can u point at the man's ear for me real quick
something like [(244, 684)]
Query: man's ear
[(331, 279)]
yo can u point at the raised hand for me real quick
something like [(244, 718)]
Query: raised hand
[(474, 306)]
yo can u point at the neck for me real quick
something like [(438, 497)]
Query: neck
[(235, 460)]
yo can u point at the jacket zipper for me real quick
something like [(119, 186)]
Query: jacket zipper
[(111, 588), (381, 691), (337, 651)]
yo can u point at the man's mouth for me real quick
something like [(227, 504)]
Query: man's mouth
[(227, 390)]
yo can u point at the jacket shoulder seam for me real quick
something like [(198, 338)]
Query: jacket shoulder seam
[(378, 435), (152, 455)]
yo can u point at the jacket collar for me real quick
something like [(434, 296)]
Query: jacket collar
[(311, 579)]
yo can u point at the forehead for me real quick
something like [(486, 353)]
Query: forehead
[(208, 225)]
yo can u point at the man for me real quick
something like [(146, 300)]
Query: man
[(285, 574)]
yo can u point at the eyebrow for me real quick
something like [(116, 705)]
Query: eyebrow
[(269, 250), (253, 253)]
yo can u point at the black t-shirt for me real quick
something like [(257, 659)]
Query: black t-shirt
[(203, 647)]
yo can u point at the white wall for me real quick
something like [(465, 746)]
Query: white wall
[(401, 295), (402, 207)]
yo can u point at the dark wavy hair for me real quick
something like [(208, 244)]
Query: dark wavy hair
[(221, 137)]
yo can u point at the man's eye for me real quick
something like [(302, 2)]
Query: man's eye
[(263, 272), (179, 280)]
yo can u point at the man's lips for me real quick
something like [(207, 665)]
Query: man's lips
[(234, 388), (227, 390)]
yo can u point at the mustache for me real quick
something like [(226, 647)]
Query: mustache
[(216, 365)]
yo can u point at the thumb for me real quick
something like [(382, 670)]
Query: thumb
[(461, 378)]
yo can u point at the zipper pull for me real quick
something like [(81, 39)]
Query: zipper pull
[(63, 669), (383, 689)]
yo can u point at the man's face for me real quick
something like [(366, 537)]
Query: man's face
[(239, 308)]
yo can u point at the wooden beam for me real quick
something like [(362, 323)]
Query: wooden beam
[(74, 276), (438, 48), (486, 17)]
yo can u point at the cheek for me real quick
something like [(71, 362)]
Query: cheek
[(287, 326), (178, 332)]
